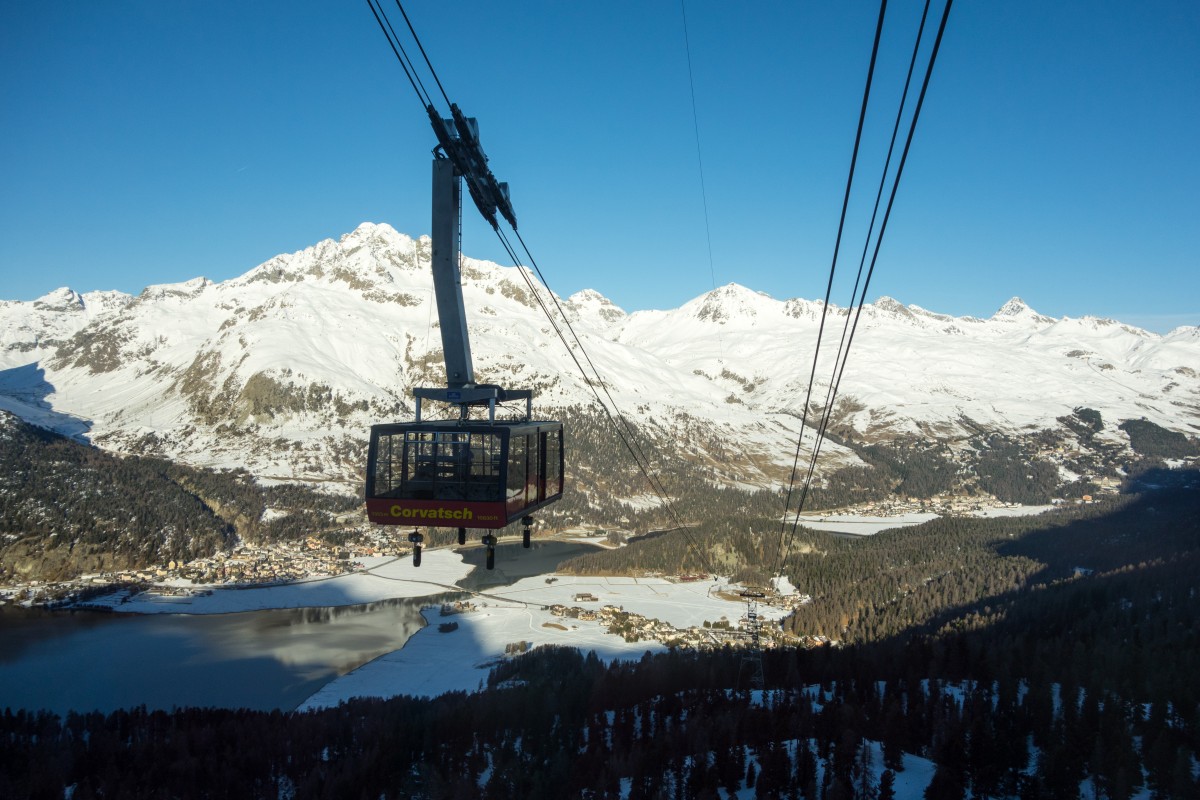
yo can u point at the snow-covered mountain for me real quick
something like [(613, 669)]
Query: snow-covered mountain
[(283, 369)]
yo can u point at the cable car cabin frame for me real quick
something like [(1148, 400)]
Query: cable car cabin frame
[(463, 474)]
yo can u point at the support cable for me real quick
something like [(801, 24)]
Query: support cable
[(832, 269), (839, 369), (699, 157), (857, 300), (624, 430), (603, 384), (421, 47), (410, 72), (639, 457), (854, 299)]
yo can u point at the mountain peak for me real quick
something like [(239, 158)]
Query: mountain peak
[(799, 308), (1017, 309), (378, 232), (61, 299), (731, 302), (590, 303), (892, 307), (188, 288)]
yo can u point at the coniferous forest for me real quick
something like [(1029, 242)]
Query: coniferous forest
[(1036, 657), (67, 508)]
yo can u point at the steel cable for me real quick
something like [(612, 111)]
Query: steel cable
[(829, 284), (839, 367)]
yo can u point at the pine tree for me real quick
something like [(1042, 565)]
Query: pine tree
[(947, 784), (887, 782)]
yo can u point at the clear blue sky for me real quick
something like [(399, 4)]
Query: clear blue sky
[(1056, 158)]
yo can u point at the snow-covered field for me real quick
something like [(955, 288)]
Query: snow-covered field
[(859, 525), (1016, 511), (385, 579), (433, 663), (866, 525)]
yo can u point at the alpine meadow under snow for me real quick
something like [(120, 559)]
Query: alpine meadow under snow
[(283, 369)]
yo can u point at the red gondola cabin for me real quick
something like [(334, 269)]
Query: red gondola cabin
[(465, 474)]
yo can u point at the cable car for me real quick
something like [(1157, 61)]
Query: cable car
[(463, 474)]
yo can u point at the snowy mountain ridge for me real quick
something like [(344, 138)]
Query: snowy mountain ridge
[(284, 368)]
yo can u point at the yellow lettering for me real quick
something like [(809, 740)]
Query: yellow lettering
[(433, 513)]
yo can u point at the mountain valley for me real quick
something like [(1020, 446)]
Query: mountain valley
[(279, 373)]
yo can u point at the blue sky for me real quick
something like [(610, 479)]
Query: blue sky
[(1056, 157)]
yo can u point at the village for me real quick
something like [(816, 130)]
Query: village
[(957, 504), (246, 565), (634, 627)]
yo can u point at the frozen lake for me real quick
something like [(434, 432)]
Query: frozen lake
[(273, 658), (87, 660)]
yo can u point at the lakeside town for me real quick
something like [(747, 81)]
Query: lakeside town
[(634, 627), (313, 558), (246, 565)]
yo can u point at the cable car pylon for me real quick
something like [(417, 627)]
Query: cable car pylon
[(752, 655)]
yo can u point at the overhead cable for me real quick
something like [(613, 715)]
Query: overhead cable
[(624, 430), (857, 300), (410, 72), (699, 158), (421, 47), (843, 352), (862, 115)]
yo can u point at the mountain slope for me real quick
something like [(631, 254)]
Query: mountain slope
[(283, 369)]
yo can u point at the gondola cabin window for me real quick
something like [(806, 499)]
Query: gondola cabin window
[(451, 465), (552, 485), (518, 472)]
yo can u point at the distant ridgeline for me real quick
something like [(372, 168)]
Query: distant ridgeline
[(67, 508), (270, 371), (983, 658)]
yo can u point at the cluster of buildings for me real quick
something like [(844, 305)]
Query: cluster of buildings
[(945, 505), (284, 561), (635, 627), (270, 563), (251, 564)]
